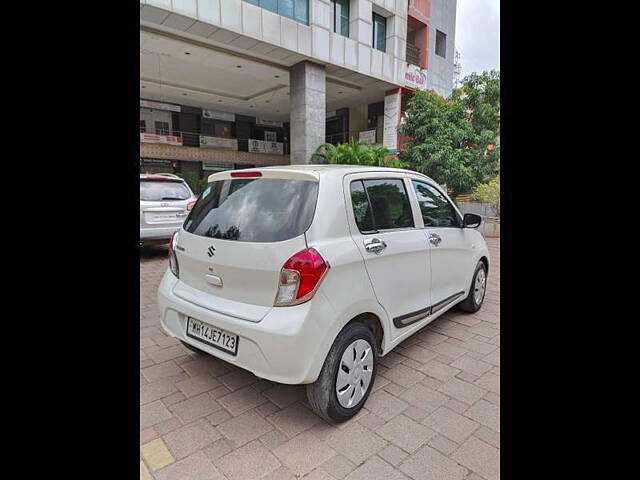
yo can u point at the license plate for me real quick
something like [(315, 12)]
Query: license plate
[(165, 218), (215, 337)]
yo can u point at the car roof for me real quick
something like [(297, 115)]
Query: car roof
[(346, 169)]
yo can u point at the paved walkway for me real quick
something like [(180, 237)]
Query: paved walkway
[(433, 414)]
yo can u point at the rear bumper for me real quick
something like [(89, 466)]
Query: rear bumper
[(283, 347), (157, 234)]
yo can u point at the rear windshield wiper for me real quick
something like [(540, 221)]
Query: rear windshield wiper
[(172, 198)]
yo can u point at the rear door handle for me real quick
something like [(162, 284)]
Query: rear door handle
[(435, 239), (375, 245)]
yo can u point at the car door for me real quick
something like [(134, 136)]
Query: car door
[(451, 254), (382, 221)]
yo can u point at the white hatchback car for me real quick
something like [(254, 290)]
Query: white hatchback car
[(305, 274)]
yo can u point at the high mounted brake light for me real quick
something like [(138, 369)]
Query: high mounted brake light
[(246, 174), (300, 277)]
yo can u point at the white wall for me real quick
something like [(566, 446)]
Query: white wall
[(151, 116), (440, 70), (316, 40)]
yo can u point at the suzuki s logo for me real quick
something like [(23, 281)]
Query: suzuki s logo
[(211, 251)]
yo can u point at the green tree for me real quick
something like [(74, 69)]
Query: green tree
[(454, 140), (489, 193)]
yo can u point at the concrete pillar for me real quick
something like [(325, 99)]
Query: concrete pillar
[(307, 103)]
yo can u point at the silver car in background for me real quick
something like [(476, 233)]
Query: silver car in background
[(165, 201)]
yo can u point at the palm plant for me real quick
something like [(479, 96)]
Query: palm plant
[(355, 153)]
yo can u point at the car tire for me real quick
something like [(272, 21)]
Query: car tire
[(323, 393), (477, 290)]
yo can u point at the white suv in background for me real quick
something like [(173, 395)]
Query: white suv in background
[(165, 201), (306, 274)]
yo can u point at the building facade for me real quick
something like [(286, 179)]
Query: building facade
[(237, 83)]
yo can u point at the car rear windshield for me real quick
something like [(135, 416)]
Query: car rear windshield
[(254, 209), (157, 190)]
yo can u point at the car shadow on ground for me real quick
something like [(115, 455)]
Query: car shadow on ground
[(152, 252)]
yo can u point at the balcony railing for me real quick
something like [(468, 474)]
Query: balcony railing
[(413, 54)]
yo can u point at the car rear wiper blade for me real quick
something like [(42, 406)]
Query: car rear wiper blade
[(172, 198)]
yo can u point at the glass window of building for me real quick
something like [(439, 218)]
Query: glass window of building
[(441, 44), (143, 126), (341, 17), (162, 128), (379, 32), (295, 9)]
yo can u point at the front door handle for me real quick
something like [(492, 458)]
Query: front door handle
[(375, 245), (435, 239)]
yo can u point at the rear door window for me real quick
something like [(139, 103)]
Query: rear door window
[(435, 208), (381, 204), (159, 190), (254, 209)]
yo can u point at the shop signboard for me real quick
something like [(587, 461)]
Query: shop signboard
[(216, 167), (155, 162), (268, 123), (256, 146), (166, 139), (219, 143), (159, 106), (415, 77), (218, 115), (391, 121), (275, 148), (367, 136)]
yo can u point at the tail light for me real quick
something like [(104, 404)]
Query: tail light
[(173, 260), (190, 205), (300, 277)]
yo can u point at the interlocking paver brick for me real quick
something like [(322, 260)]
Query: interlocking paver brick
[(471, 365), (153, 413), (304, 453), (285, 395), (463, 391), (238, 379), (190, 438), (451, 424), (403, 375), (164, 354), (465, 408), (194, 467), (375, 469), (218, 449), (195, 407), (153, 391), (393, 455), (249, 462), (273, 439), (197, 384), (161, 370), (244, 428), (242, 400), (144, 472), (443, 444), (385, 405), (405, 433), (439, 371), (338, 467), (485, 413), (429, 464), (423, 397), (294, 419), (356, 442), (479, 457), (156, 454)]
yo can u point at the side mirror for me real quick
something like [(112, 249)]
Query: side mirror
[(471, 220)]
